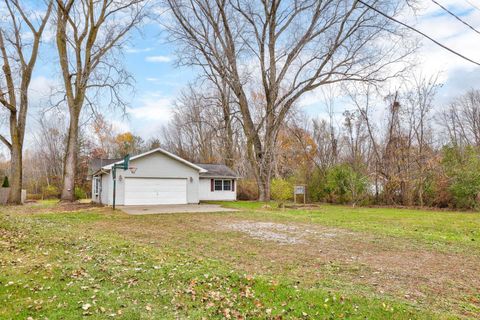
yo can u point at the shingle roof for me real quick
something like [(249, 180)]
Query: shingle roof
[(217, 171), (97, 164)]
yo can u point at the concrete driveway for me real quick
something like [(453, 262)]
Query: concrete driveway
[(174, 208)]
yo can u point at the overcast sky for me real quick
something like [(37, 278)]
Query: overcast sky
[(151, 60)]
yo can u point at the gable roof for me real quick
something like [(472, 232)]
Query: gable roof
[(171, 155), (216, 171), (97, 164)]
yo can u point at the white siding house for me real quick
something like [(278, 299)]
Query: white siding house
[(219, 183), (160, 177)]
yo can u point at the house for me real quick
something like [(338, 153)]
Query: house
[(160, 177)]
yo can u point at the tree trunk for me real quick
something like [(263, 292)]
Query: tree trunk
[(70, 167), (263, 188), (229, 152), (263, 165), (15, 195)]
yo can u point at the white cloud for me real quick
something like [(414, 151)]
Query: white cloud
[(441, 26), (153, 111), (40, 90), (137, 50), (158, 59)]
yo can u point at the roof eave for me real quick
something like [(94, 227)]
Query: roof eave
[(100, 172), (221, 177), (171, 155)]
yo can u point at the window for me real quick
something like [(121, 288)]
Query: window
[(218, 185), (227, 185), (96, 185), (223, 185)]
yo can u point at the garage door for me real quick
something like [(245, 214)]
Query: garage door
[(140, 191)]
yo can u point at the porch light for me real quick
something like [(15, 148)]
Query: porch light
[(132, 169)]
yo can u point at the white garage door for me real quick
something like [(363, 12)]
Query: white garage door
[(140, 191)]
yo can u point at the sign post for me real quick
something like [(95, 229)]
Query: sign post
[(300, 189), (124, 166)]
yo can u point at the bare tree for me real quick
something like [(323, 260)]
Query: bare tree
[(88, 35), (20, 39), (326, 138), (279, 50), (355, 137), (44, 159), (202, 127), (461, 120), (419, 105)]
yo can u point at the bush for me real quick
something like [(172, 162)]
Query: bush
[(34, 196), (281, 190), (50, 191), (80, 193), (345, 185), (247, 189), (5, 184), (461, 167), (316, 186)]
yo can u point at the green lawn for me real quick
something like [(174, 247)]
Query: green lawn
[(443, 229), (75, 262)]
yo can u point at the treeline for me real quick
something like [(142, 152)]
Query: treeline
[(399, 149)]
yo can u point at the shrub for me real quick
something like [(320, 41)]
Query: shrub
[(34, 196), (281, 190), (316, 186), (344, 185), (50, 191), (5, 184), (247, 189), (80, 193), (461, 167)]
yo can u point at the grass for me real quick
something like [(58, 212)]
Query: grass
[(82, 262), (444, 229)]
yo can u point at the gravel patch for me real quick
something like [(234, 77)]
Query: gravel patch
[(277, 232)]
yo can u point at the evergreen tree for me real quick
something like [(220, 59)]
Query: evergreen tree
[(6, 184)]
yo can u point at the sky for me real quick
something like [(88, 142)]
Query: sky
[(150, 58), (159, 81)]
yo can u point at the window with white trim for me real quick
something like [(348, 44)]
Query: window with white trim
[(227, 185), (96, 185), (222, 185), (218, 185)]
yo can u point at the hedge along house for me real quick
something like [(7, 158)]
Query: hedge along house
[(160, 177)]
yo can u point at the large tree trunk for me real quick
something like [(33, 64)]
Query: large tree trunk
[(70, 167), (15, 195), (263, 167), (16, 147), (263, 183), (229, 151)]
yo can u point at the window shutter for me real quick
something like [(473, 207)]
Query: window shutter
[(212, 185), (233, 185)]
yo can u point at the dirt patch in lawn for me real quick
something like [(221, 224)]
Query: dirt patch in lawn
[(278, 232)]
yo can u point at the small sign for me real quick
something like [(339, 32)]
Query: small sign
[(299, 189)]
